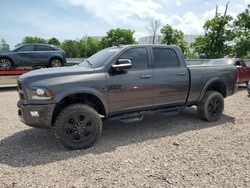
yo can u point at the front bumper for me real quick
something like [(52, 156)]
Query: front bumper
[(42, 117)]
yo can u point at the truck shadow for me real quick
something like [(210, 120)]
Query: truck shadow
[(34, 147)]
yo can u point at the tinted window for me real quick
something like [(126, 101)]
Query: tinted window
[(43, 48), (165, 57), (138, 57), (26, 48)]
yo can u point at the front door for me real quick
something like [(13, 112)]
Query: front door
[(133, 88), (25, 55)]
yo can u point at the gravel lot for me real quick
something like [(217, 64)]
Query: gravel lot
[(178, 151)]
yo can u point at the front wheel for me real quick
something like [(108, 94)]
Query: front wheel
[(5, 64), (211, 107), (78, 126)]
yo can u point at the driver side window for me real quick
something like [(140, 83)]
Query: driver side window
[(138, 57), (27, 48)]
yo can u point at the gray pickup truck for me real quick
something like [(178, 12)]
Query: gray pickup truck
[(124, 83)]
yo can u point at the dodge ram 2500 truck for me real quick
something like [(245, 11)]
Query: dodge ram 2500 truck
[(124, 83)]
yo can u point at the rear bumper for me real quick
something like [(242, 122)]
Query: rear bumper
[(36, 115)]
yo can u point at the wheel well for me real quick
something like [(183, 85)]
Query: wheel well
[(83, 98), (219, 87), (56, 57)]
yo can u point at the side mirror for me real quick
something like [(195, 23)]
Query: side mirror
[(122, 64)]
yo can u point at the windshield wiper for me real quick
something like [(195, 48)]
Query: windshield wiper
[(89, 63)]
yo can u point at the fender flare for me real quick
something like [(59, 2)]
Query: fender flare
[(83, 90), (209, 83)]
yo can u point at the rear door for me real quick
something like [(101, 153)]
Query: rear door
[(132, 89), (43, 54), (171, 78)]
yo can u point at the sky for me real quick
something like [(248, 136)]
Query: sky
[(73, 19)]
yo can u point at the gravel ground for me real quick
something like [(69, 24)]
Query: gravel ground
[(177, 151)]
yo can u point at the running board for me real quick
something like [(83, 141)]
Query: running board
[(138, 116), (170, 111), (131, 119)]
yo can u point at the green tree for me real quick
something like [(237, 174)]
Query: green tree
[(80, 48), (118, 36), (93, 46), (29, 39), (4, 46), (83, 48), (173, 36), (216, 41), (241, 47), (71, 48), (54, 41)]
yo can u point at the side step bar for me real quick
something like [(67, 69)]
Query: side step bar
[(138, 116)]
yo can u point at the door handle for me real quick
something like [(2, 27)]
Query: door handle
[(181, 74), (145, 76)]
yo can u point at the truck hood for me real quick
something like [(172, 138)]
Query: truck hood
[(53, 73)]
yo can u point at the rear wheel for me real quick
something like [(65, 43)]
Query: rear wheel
[(56, 63), (211, 107), (78, 126), (5, 64)]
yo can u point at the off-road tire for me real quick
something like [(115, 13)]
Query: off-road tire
[(211, 106), (73, 128)]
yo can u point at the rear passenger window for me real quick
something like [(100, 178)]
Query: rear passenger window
[(138, 57), (43, 48), (165, 57)]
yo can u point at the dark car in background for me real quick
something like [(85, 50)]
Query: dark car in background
[(32, 55), (243, 71)]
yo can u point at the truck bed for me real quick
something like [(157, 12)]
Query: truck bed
[(201, 75)]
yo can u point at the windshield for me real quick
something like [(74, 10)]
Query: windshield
[(98, 59), (219, 62)]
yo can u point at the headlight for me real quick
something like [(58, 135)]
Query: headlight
[(40, 93)]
